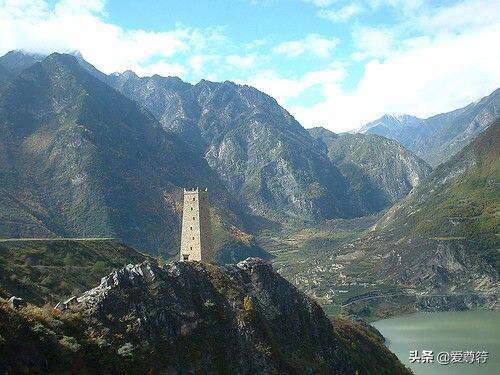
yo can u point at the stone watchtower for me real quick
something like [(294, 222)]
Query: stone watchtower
[(196, 239)]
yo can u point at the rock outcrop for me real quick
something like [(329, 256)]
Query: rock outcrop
[(238, 319), (16, 302)]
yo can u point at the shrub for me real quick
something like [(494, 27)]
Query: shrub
[(161, 261), (69, 260), (208, 303), (99, 268), (126, 350), (70, 343), (248, 304)]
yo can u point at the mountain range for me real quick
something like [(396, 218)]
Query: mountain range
[(441, 240), (434, 249), (438, 138), (77, 159), (85, 154), (359, 158), (264, 156), (89, 154), (446, 229), (360, 220)]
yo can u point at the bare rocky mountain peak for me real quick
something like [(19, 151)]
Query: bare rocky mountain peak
[(260, 152), (439, 137)]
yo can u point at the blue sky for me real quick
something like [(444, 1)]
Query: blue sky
[(332, 63)]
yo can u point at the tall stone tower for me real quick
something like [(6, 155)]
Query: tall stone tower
[(196, 239)]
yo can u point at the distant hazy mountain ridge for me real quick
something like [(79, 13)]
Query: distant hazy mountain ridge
[(14, 62), (439, 137)]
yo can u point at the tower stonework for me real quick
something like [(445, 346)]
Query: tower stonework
[(196, 238)]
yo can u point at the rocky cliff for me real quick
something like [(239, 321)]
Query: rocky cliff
[(234, 319), (262, 154), (380, 170), (190, 318)]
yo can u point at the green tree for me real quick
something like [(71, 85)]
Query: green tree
[(99, 268), (69, 260)]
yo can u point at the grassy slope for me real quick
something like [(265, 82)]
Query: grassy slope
[(461, 212), (47, 271), (37, 340), (454, 206), (41, 340)]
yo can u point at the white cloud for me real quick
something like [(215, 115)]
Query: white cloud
[(199, 62), (429, 76), (321, 3), (280, 88), (404, 6), (372, 42), (161, 68), (81, 25), (458, 17), (343, 14), (434, 60), (79, 6), (284, 89), (346, 9), (241, 62), (312, 44), (255, 44)]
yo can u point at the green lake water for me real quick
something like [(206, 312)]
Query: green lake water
[(445, 332)]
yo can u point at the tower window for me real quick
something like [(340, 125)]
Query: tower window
[(193, 238), (194, 218), (194, 199), (191, 247), (191, 228), (191, 208)]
